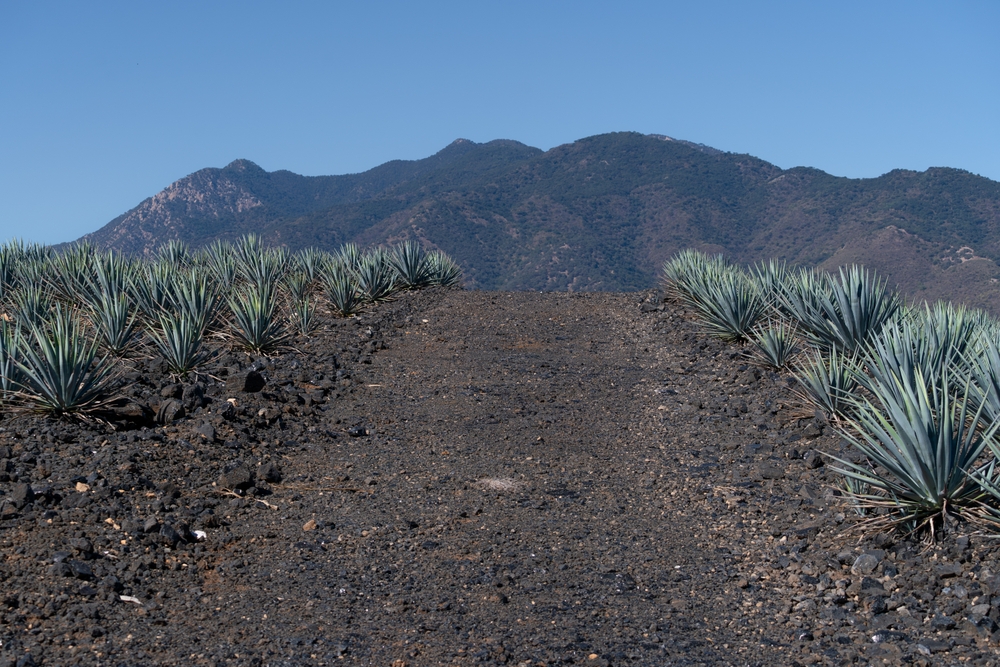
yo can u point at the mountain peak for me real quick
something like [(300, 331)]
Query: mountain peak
[(242, 165)]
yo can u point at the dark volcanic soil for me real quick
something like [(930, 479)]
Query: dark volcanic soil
[(468, 478)]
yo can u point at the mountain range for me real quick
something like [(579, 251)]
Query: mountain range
[(601, 213)]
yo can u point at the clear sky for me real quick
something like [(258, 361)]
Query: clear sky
[(103, 104)]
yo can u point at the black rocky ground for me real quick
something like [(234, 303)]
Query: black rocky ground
[(467, 478)]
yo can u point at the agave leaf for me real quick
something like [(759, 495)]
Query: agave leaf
[(775, 344), (729, 304), (256, 325), (846, 313), (825, 381), (445, 272), (58, 371), (411, 264), (114, 317), (10, 344), (341, 290), (375, 276), (175, 253), (921, 443), (178, 338), (304, 316)]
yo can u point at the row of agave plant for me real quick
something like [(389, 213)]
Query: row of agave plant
[(915, 389), (67, 319)]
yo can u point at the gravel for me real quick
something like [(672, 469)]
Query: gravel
[(471, 478)]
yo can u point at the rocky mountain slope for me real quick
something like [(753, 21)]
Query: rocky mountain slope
[(601, 213)]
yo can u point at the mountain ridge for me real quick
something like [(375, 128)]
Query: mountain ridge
[(602, 213)]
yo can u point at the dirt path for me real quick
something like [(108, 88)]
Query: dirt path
[(590, 551)]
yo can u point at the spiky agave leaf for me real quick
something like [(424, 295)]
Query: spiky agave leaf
[(71, 274), (411, 264), (729, 304), (770, 276), (688, 266), (114, 319), (59, 372), (191, 293), (220, 260), (32, 303), (774, 344), (10, 345), (298, 284), (256, 324), (304, 316), (341, 290), (32, 272), (826, 380), (923, 445), (174, 252), (150, 289), (445, 272), (985, 368), (248, 247), (847, 312), (311, 261), (349, 255), (375, 277), (113, 273), (263, 269), (178, 337), (908, 344)]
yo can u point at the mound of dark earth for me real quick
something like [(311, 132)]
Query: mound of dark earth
[(467, 478)]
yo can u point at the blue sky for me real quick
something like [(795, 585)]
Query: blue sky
[(104, 104)]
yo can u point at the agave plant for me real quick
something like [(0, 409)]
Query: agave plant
[(311, 261), (31, 304), (904, 346), (32, 272), (58, 371), (729, 304), (947, 334), (114, 318), (985, 368), (256, 324), (689, 266), (847, 312), (190, 293), (150, 288), (220, 260), (178, 338), (411, 264), (248, 247), (174, 252), (298, 285), (265, 269), (775, 344), (375, 277), (304, 316), (923, 445), (113, 273), (770, 277), (826, 381), (10, 344), (341, 290), (71, 274), (349, 255), (444, 271)]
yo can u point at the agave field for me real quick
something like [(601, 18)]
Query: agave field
[(916, 390), (72, 320)]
